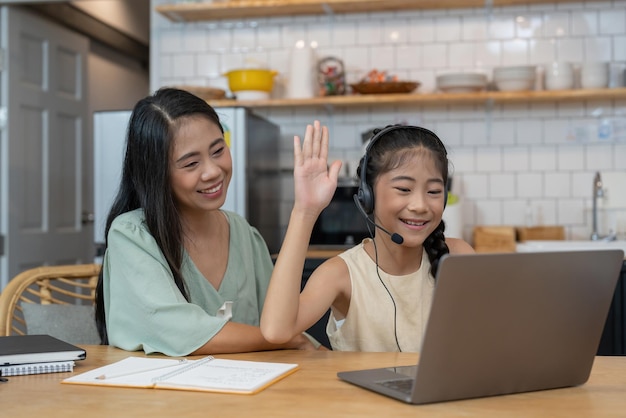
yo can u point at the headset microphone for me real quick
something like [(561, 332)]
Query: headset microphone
[(397, 238)]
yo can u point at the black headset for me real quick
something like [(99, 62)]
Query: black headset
[(365, 194)]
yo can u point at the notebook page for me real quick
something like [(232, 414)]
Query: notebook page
[(131, 372), (224, 375), (207, 374)]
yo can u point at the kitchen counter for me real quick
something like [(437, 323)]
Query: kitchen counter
[(574, 245)]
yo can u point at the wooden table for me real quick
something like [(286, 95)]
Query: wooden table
[(313, 391)]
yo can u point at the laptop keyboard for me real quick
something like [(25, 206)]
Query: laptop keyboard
[(400, 385)]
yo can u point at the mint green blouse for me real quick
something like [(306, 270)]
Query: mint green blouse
[(146, 311)]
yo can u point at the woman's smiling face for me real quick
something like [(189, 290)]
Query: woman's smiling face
[(200, 165)]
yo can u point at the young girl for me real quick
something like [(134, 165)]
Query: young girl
[(181, 276), (379, 292)]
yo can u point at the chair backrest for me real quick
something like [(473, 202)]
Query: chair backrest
[(63, 292)]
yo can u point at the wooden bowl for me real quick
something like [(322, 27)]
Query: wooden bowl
[(205, 93), (385, 87)]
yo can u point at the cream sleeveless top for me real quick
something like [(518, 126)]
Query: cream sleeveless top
[(369, 323)]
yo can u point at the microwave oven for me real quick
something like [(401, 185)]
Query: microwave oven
[(341, 224)]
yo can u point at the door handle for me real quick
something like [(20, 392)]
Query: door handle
[(87, 218)]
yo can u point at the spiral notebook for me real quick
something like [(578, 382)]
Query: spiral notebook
[(37, 368), (208, 374)]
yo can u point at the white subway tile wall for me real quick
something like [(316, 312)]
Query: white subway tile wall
[(508, 161)]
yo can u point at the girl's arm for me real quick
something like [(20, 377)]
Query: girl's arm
[(315, 183), (241, 338), (459, 246)]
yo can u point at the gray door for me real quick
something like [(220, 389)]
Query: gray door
[(44, 90)]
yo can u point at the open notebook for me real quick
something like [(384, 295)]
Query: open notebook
[(506, 323), (208, 374)]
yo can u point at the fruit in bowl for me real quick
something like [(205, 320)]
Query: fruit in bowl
[(379, 82)]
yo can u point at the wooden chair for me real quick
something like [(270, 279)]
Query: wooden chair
[(54, 286)]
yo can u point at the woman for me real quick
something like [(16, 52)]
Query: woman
[(181, 276)]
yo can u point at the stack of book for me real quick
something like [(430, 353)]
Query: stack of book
[(35, 354)]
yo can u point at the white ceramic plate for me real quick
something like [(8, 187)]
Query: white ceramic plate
[(462, 82), (514, 84), (517, 71)]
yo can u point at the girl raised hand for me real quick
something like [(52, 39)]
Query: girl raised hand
[(315, 182)]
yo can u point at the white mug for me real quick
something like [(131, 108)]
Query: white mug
[(559, 76), (594, 75)]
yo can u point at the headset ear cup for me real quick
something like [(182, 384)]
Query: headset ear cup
[(366, 199), (364, 193)]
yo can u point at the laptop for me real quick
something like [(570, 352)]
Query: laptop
[(506, 323)]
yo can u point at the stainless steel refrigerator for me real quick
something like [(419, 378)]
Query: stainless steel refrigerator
[(254, 191)]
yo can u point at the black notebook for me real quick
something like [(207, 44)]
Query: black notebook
[(25, 349)]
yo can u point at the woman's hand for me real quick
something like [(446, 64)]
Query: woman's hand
[(314, 180)]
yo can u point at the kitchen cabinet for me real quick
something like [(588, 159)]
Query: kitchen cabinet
[(238, 9)]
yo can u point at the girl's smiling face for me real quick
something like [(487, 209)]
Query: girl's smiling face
[(409, 199), (200, 165)]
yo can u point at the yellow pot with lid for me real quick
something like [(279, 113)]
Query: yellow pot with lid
[(251, 79)]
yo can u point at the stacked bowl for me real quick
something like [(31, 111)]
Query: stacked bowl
[(517, 78), (461, 82)]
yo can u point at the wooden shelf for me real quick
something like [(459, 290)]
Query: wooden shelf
[(238, 9), (357, 100)]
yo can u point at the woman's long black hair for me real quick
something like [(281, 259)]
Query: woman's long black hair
[(146, 182), (388, 152)]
